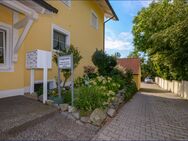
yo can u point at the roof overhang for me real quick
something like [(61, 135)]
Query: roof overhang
[(107, 8)]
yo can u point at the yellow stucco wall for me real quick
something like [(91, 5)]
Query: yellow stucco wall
[(137, 78), (75, 19)]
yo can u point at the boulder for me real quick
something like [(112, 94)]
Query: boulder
[(71, 109), (111, 112), (79, 122), (64, 107), (76, 115), (85, 119), (97, 117), (40, 98), (56, 105), (49, 102)]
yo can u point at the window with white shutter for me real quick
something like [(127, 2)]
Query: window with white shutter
[(94, 20)]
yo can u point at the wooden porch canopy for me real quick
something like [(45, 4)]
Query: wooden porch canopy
[(29, 8)]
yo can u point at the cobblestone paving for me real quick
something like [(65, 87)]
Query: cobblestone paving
[(56, 128), (152, 114)]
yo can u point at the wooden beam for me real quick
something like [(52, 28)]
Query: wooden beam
[(21, 24), (23, 35), (21, 8)]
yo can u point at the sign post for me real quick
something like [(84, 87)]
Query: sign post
[(66, 62), (39, 59)]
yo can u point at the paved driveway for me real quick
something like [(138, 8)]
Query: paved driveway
[(152, 114)]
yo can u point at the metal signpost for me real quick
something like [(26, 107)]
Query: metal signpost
[(66, 62)]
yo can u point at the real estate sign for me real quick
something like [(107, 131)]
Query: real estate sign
[(65, 62)]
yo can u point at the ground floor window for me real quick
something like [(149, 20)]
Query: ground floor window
[(6, 48), (2, 46), (60, 39)]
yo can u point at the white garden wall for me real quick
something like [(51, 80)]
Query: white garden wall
[(179, 88)]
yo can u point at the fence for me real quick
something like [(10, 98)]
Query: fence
[(179, 88)]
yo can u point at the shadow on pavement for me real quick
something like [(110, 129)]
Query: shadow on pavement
[(152, 90)]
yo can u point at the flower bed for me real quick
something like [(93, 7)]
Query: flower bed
[(98, 95)]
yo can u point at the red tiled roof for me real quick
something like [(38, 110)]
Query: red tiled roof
[(130, 64)]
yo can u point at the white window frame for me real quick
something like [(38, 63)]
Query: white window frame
[(8, 65), (67, 2), (60, 30), (93, 13)]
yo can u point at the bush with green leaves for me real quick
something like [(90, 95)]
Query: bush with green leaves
[(90, 98), (103, 62), (130, 90)]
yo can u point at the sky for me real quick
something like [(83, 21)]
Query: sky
[(118, 34)]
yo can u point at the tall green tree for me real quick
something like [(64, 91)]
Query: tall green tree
[(161, 31)]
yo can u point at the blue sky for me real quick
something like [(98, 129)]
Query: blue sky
[(118, 36)]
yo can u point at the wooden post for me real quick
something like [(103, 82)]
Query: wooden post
[(32, 78), (45, 78)]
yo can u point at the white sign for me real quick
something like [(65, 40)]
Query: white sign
[(38, 59), (64, 62)]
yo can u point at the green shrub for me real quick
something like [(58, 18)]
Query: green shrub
[(104, 62), (89, 98), (130, 90)]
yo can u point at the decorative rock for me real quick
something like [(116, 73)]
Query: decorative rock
[(71, 109), (79, 122), (76, 115), (56, 105), (34, 94), (111, 112), (85, 119), (70, 116), (64, 107), (40, 98), (49, 102), (97, 117)]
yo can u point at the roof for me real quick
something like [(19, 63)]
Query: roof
[(46, 5), (107, 8), (112, 10), (130, 64)]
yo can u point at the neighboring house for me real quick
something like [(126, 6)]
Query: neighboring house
[(27, 25), (132, 64)]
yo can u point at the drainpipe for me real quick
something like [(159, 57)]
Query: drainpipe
[(104, 31)]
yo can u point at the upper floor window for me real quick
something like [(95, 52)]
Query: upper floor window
[(67, 2), (94, 20)]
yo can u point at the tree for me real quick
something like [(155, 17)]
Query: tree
[(104, 62), (161, 31)]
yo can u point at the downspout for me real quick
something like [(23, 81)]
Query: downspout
[(104, 31)]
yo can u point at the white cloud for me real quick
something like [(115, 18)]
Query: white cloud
[(119, 42), (145, 3)]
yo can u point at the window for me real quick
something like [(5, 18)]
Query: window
[(2, 46), (60, 38), (59, 41), (6, 48), (94, 20), (67, 2)]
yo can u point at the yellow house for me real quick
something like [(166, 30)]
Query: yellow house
[(36, 24), (132, 64)]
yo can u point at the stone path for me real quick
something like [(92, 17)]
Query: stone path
[(152, 114), (56, 127)]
